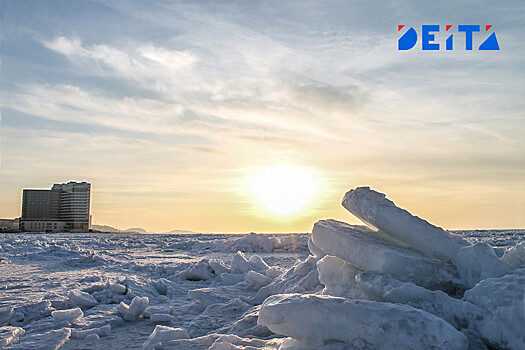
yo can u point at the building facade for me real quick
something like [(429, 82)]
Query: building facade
[(65, 207)]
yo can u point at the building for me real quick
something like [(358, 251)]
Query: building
[(65, 207)]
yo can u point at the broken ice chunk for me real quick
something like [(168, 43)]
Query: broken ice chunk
[(318, 320), (338, 278), (477, 262), (81, 299), (514, 256), (362, 248), (399, 226), (162, 334), (67, 315)]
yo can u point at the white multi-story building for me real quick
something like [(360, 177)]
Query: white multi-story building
[(65, 207)]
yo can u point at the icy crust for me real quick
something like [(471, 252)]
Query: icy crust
[(398, 225), (477, 322), (505, 298), (362, 248), (317, 321)]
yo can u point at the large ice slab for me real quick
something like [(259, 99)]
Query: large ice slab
[(505, 298), (362, 248), (471, 319), (398, 225), (318, 320)]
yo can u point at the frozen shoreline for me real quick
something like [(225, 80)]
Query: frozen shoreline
[(200, 291)]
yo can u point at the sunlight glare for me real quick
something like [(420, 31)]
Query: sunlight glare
[(284, 190)]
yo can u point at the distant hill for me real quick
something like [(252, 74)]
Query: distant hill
[(110, 229), (106, 228), (181, 232), (135, 230)]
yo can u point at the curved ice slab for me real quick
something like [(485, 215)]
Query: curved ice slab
[(319, 320), (398, 225), (362, 248)]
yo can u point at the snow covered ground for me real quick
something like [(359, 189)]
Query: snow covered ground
[(342, 287)]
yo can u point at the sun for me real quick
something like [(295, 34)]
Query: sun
[(284, 190)]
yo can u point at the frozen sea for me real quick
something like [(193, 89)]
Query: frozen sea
[(197, 282)]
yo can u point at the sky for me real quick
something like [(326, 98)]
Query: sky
[(172, 110)]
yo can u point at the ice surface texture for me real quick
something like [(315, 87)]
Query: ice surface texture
[(320, 320)]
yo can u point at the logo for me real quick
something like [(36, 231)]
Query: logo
[(428, 41)]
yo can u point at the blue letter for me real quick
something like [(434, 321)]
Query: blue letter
[(426, 37), (490, 44), (408, 40), (449, 42), (468, 29)]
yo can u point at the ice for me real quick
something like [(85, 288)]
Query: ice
[(135, 309), (216, 316), (474, 321), (247, 326), (51, 340), (242, 265), (84, 333), (117, 288), (514, 256), (319, 320), (163, 334), (92, 337), (338, 278), (362, 248), (233, 342), (505, 298), (398, 225), (315, 250), (300, 278), (161, 309), (67, 315), (257, 280), (155, 266), (23, 315), (477, 262), (161, 318), (205, 269), (9, 335), (251, 243), (81, 299)]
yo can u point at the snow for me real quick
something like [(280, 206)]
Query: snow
[(161, 317), (398, 225), (9, 335), (362, 248), (67, 315), (318, 321), (334, 289)]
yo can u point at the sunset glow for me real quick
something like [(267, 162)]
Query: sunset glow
[(284, 190)]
